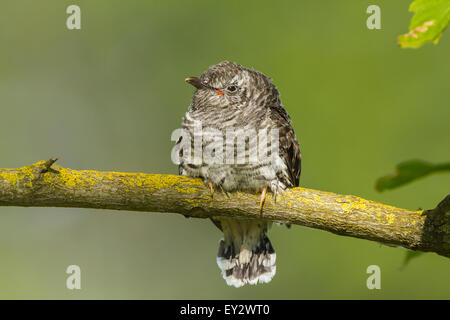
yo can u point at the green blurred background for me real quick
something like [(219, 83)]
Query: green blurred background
[(108, 96)]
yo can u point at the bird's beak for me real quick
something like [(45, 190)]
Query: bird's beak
[(195, 82)]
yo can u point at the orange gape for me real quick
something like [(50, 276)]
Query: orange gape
[(219, 92)]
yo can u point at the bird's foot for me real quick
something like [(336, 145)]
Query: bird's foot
[(224, 192), (277, 188), (211, 189), (263, 199)]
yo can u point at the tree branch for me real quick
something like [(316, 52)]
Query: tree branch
[(45, 184)]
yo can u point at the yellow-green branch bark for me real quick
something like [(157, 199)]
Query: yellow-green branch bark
[(44, 184)]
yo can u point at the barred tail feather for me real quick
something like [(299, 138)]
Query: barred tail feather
[(255, 265)]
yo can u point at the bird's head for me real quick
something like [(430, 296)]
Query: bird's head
[(229, 85)]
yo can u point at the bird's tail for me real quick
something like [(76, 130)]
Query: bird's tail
[(246, 254)]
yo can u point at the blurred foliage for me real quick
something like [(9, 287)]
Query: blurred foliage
[(108, 96), (410, 255), (429, 21), (408, 171)]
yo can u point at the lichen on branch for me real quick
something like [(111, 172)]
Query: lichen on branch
[(45, 184)]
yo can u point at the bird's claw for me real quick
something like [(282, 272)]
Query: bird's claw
[(211, 189), (263, 199)]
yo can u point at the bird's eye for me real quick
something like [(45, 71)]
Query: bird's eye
[(231, 88)]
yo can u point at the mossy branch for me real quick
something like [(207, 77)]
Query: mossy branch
[(45, 184)]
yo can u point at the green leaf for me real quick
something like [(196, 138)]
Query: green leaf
[(410, 254), (408, 171), (429, 21)]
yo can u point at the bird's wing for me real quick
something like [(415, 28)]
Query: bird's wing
[(289, 147), (179, 150)]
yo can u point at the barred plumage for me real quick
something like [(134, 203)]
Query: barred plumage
[(233, 99)]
